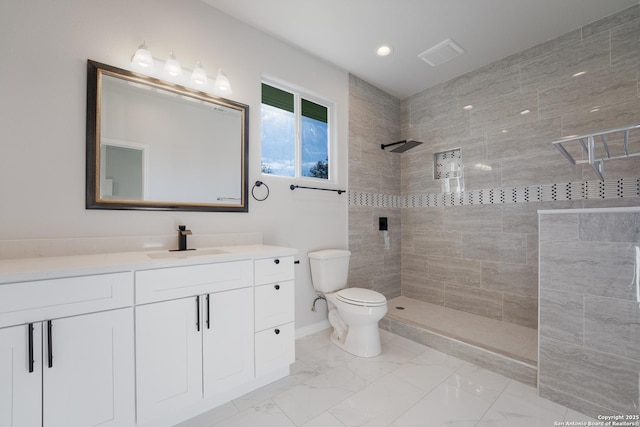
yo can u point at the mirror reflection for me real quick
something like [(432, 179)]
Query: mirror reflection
[(155, 145)]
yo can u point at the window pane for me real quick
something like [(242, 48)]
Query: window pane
[(278, 141), (315, 148)]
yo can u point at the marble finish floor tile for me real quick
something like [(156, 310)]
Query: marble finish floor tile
[(378, 404), (445, 405), (504, 338), (407, 385)]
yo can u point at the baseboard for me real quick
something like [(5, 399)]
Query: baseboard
[(312, 329)]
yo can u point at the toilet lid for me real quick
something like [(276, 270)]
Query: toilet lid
[(364, 297)]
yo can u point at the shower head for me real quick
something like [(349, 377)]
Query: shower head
[(406, 145)]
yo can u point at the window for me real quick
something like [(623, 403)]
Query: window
[(295, 134)]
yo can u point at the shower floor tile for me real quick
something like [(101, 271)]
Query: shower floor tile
[(511, 340)]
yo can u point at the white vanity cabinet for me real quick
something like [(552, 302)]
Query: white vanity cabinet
[(63, 362), (194, 334), (141, 339), (274, 314)]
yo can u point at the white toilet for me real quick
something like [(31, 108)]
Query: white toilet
[(353, 312)]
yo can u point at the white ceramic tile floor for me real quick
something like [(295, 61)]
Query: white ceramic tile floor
[(408, 385)]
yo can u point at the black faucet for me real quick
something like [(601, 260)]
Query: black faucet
[(182, 237)]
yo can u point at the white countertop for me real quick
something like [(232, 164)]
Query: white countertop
[(27, 269)]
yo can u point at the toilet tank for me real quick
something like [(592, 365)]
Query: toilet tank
[(329, 269)]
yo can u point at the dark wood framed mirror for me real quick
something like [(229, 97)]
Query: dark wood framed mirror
[(155, 145)]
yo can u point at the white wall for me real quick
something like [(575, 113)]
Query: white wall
[(45, 45)]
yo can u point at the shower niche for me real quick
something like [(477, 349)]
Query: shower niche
[(449, 170)]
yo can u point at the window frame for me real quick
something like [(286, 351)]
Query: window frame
[(299, 94)]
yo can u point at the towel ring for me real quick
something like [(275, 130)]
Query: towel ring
[(259, 184)]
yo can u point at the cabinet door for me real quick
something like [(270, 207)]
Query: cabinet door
[(20, 390), (168, 357), (228, 340), (90, 380)]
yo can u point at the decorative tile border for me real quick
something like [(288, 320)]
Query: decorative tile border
[(608, 189), (358, 198)]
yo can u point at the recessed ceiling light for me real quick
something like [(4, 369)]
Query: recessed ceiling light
[(579, 73), (523, 112), (384, 50), (467, 107)]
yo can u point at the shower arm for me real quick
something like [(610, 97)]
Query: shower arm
[(383, 146)]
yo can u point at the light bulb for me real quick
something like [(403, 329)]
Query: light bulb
[(172, 67), (198, 76), (222, 83), (142, 59)]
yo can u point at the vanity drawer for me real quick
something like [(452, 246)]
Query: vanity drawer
[(274, 304), (177, 282), (275, 348), (38, 300), (271, 270)]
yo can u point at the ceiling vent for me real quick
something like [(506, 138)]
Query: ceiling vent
[(442, 52)]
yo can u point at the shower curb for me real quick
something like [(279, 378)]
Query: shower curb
[(500, 364)]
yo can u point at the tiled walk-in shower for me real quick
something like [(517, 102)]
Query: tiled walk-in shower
[(475, 252)]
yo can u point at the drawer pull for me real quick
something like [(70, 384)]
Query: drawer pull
[(277, 287), (30, 329), (277, 261), (277, 331)]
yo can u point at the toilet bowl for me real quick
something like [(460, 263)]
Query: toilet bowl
[(359, 332), (354, 313)]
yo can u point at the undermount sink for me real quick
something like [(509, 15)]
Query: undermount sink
[(186, 254)]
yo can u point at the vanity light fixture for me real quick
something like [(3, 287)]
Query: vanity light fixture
[(199, 75), (143, 62), (142, 59)]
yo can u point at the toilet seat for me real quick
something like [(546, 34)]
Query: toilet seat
[(361, 297)]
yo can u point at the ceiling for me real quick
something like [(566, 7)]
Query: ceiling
[(347, 32)]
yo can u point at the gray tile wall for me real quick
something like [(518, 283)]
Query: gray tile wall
[(482, 259), (589, 349), (374, 119)]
